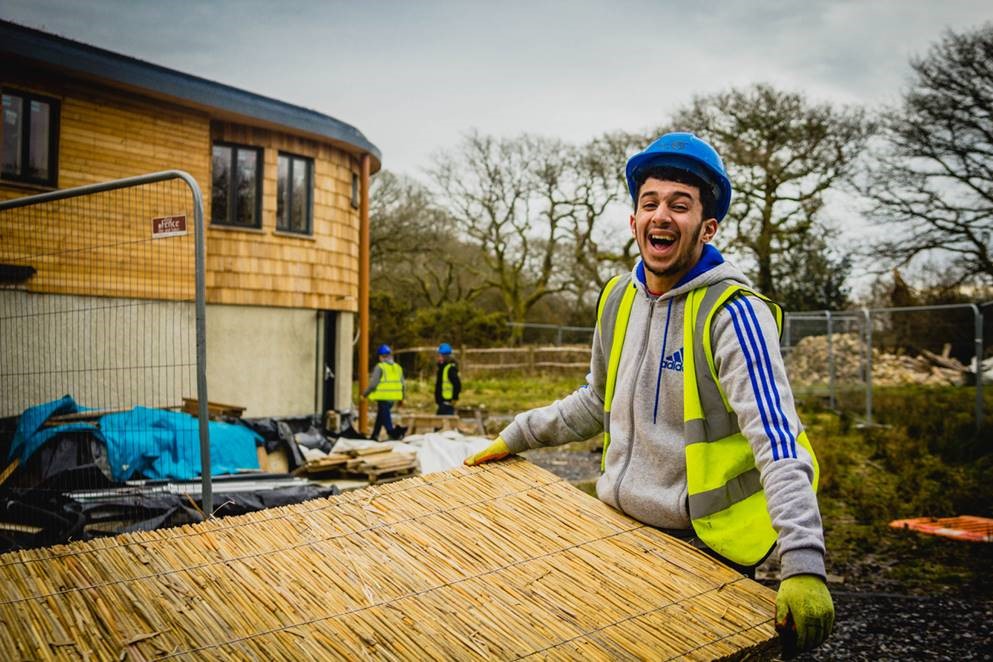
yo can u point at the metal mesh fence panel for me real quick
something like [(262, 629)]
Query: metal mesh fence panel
[(825, 356), (848, 359), (98, 345)]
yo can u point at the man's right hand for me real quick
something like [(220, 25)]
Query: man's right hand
[(495, 451)]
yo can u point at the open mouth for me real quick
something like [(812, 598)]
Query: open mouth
[(661, 240)]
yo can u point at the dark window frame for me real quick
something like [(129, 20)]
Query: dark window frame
[(356, 196), (294, 158), (232, 185), (54, 106)]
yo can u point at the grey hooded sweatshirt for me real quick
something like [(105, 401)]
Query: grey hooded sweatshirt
[(645, 472)]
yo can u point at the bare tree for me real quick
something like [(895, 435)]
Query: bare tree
[(782, 153), (506, 196), (932, 185), (600, 189), (414, 250)]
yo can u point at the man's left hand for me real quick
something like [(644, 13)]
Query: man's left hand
[(804, 609)]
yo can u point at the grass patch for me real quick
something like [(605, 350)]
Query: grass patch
[(504, 395)]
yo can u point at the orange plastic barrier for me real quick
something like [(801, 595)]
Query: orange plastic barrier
[(963, 527)]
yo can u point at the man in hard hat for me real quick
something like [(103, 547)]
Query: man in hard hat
[(447, 384), (386, 386), (687, 384)]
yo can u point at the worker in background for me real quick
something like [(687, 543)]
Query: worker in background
[(687, 384), (386, 386), (447, 384)]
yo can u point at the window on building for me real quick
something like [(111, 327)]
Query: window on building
[(236, 186), (294, 195), (30, 138), (356, 199)]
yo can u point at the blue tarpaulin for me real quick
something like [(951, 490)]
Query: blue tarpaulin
[(156, 443)]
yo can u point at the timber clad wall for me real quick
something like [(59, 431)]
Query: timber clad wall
[(107, 134), (266, 267)]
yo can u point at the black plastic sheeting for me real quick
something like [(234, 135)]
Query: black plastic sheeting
[(49, 517), (36, 508)]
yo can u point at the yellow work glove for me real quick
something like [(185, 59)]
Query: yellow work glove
[(495, 451), (804, 613)]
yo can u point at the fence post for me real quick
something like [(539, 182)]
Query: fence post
[(978, 319), (830, 352), (206, 468), (558, 339), (867, 314)]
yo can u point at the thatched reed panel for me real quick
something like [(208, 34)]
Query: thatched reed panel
[(504, 561)]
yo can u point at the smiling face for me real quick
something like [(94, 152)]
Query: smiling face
[(670, 230)]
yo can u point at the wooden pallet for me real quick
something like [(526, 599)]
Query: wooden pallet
[(332, 462)]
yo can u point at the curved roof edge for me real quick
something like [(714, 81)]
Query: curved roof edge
[(31, 44)]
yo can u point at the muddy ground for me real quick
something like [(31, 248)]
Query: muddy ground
[(877, 619)]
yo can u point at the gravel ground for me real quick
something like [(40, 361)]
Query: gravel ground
[(870, 624)]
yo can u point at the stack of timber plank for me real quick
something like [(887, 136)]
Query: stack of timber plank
[(501, 561), (377, 464)]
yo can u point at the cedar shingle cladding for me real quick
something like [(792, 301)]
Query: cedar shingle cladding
[(108, 133)]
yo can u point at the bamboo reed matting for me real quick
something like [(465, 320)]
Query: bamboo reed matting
[(502, 561)]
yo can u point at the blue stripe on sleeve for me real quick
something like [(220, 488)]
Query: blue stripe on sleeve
[(751, 376), (766, 378), (768, 364)]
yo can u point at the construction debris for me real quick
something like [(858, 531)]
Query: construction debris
[(377, 464), (808, 362), (502, 561)]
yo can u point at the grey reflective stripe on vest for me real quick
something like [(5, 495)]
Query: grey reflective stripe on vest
[(718, 422), (721, 498)]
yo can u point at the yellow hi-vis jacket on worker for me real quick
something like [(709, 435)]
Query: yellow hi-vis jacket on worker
[(390, 385), (727, 504), (447, 388)]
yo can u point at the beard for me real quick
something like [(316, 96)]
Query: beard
[(682, 263)]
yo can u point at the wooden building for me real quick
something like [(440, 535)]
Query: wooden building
[(281, 184)]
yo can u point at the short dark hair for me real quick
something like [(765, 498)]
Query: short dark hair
[(670, 174)]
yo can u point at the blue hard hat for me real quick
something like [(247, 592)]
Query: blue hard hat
[(444, 348), (683, 151), (384, 349)]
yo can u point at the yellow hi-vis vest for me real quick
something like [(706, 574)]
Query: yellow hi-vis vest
[(727, 505), (390, 386), (447, 388)]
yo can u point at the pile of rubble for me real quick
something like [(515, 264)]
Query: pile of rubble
[(807, 364)]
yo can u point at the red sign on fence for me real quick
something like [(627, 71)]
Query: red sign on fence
[(168, 226)]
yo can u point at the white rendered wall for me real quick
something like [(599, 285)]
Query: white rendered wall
[(343, 384), (119, 353), (263, 359), (104, 352)]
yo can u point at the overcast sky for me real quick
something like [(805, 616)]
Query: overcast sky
[(415, 76)]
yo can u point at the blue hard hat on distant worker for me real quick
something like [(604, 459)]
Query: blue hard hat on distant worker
[(384, 349), (683, 151), (444, 348)]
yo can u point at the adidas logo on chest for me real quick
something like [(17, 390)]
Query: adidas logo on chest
[(674, 361)]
